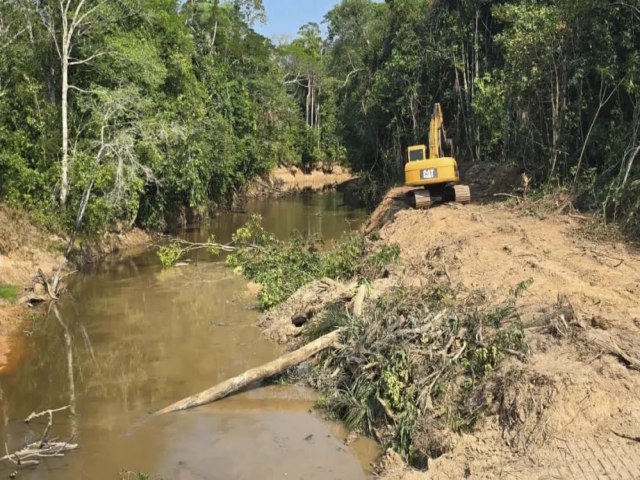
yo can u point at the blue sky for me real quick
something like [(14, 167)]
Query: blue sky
[(285, 17)]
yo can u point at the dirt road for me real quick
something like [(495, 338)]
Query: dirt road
[(579, 410)]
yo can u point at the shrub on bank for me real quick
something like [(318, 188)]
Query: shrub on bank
[(418, 365)]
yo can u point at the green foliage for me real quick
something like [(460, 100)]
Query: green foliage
[(131, 475), (282, 267), (180, 106), (9, 292), (190, 103), (344, 260), (334, 316), (548, 86), (522, 287), (169, 254), (379, 260)]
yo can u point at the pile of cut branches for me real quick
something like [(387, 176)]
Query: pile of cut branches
[(417, 365)]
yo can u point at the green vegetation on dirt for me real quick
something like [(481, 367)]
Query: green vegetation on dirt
[(282, 267), (419, 365), (9, 292), (131, 475)]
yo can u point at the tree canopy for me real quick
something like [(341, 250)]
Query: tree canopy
[(167, 108), (164, 109), (550, 86)]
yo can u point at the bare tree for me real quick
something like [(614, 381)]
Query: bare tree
[(115, 115), (73, 16), (604, 96)]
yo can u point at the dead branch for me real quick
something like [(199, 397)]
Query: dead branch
[(44, 448), (612, 348), (253, 375), (34, 415), (190, 246), (349, 75), (27, 455), (617, 259), (626, 437), (507, 195), (358, 301)]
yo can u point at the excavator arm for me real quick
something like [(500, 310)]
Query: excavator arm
[(439, 145)]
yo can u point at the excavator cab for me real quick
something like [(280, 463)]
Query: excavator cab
[(417, 153), (437, 172)]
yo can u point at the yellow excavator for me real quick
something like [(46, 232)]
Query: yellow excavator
[(438, 173)]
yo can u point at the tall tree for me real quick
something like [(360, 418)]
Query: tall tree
[(66, 22)]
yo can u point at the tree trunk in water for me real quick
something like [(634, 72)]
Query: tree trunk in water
[(267, 370)]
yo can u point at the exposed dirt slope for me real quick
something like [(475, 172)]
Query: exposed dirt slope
[(285, 180), (494, 248), (23, 248), (580, 395)]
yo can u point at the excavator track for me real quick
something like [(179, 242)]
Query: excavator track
[(420, 198), (425, 198), (462, 193)]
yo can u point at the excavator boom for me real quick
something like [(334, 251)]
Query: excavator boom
[(435, 126)]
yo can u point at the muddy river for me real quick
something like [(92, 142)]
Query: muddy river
[(131, 338)]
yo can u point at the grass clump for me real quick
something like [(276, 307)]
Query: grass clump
[(282, 267), (9, 292), (417, 365)]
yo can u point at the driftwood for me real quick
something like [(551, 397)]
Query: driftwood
[(249, 377), (43, 289), (43, 448)]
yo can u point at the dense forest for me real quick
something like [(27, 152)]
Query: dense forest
[(137, 111)]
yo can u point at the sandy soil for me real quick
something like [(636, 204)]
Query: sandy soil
[(578, 402), (495, 248), (573, 412), (24, 248), (285, 180)]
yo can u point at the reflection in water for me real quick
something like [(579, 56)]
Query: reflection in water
[(70, 375), (137, 338)]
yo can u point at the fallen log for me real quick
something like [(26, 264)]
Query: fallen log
[(253, 375)]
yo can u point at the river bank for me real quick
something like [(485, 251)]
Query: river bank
[(538, 371), (26, 248)]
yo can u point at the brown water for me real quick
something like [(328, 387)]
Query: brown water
[(132, 338)]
